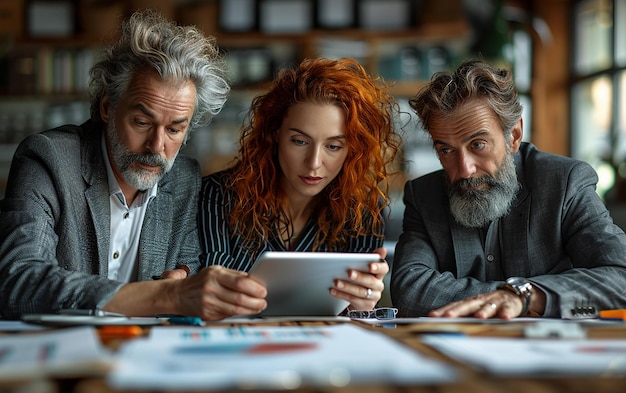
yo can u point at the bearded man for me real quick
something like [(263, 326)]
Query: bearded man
[(94, 212), (503, 230)]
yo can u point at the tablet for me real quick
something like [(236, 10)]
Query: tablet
[(60, 320), (298, 282)]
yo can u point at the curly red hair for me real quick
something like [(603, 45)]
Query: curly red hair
[(352, 204)]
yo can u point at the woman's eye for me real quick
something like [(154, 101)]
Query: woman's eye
[(335, 147)]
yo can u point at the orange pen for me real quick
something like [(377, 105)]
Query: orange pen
[(108, 332), (613, 314)]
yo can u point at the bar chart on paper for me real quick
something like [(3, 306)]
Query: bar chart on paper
[(270, 357)]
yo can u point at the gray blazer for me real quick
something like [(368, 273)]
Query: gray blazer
[(55, 218), (558, 234)]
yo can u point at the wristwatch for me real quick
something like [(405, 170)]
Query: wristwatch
[(522, 288)]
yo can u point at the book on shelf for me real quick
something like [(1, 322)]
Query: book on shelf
[(46, 71)]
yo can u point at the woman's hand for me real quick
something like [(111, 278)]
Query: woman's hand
[(363, 289)]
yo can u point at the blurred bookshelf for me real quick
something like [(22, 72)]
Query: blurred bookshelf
[(44, 66)]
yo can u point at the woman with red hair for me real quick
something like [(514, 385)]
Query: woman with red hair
[(311, 175)]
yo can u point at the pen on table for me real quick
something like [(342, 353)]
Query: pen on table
[(613, 314), (180, 320)]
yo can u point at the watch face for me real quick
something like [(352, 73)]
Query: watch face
[(522, 286), (517, 281)]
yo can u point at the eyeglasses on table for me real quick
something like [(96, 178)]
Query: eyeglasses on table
[(382, 313)]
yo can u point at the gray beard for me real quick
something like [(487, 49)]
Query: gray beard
[(135, 177), (478, 207)]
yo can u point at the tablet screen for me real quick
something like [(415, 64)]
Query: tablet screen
[(298, 283)]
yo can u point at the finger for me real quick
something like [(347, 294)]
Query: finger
[(356, 302), (498, 304), (367, 280), (510, 310), (227, 292), (488, 309), (382, 251), (379, 269), (218, 309), (239, 290), (445, 311), (226, 303), (235, 281), (356, 294), (462, 308), (352, 292), (358, 291)]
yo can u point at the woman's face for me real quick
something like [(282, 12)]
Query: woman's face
[(311, 148)]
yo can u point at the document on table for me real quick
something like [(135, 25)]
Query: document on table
[(283, 357), (68, 352), (466, 320), (18, 326), (537, 357)]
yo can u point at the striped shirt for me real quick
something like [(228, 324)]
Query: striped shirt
[(221, 247)]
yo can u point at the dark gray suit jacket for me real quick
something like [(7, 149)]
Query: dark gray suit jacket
[(55, 219), (558, 234)]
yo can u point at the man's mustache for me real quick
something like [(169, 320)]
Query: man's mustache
[(148, 159), (472, 182)]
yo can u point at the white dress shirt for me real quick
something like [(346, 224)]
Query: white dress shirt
[(126, 223)]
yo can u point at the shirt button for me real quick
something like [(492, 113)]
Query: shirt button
[(116, 255), (126, 215), (490, 258)]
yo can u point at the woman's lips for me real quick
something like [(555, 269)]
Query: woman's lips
[(310, 180)]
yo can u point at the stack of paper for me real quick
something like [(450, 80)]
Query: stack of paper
[(536, 357), (69, 352), (270, 357)]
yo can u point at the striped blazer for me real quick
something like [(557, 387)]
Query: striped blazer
[(221, 247)]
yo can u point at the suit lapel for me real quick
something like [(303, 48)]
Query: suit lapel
[(157, 223), (514, 229), (96, 193), (466, 243), (515, 238)]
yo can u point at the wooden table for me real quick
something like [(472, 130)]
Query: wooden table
[(470, 379)]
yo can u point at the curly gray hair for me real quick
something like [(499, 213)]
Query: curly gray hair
[(473, 79), (177, 53)]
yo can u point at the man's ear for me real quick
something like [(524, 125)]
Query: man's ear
[(105, 108), (516, 135)]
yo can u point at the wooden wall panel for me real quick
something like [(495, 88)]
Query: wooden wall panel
[(550, 93)]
